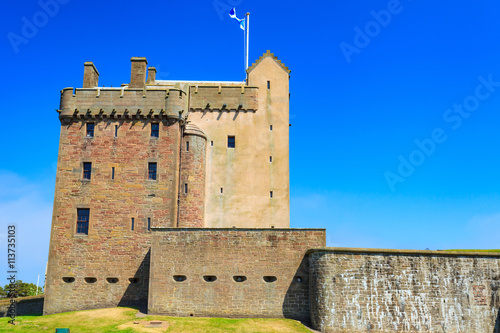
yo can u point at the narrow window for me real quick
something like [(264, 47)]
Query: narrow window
[(271, 194), (187, 145), (211, 143), (155, 130), (133, 220), (116, 131), (87, 170), (152, 171), (90, 130), (231, 142), (270, 158), (221, 190), (149, 223), (270, 127), (82, 222), (268, 84), (112, 172), (186, 188)]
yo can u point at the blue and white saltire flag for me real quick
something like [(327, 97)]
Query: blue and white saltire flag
[(232, 14)]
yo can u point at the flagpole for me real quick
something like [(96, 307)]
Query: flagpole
[(247, 26)]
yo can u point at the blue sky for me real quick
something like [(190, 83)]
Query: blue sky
[(394, 106)]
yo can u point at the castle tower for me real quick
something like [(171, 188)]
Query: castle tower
[(192, 189), (152, 155)]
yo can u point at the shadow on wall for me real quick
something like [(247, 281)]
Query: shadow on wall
[(136, 294), (497, 323), (495, 301), (296, 302)]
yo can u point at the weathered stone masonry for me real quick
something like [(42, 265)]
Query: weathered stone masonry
[(360, 290), (270, 262)]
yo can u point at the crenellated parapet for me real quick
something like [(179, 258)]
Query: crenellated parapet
[(122, 103), (223, 98)]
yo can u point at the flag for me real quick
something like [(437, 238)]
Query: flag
[(232, 14)]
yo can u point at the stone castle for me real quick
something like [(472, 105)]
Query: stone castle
[(173, 196)]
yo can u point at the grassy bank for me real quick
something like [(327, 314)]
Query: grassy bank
[(122, 320)]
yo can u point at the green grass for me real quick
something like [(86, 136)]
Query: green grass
[(470, 250), (122, 320)]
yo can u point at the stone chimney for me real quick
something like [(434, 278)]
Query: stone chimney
[(151, 75), (90, 75), (138, 74)]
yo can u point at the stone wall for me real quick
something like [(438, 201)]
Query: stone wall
[(361, 290), (109, 266), (31, 305), (231, 272), (192, 183)]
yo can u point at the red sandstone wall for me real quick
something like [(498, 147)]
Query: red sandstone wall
[(225, 253), (111, 249), (192, 203)]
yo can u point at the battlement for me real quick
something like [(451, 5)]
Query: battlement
[(144, 97), (223, 98), (122, 102)]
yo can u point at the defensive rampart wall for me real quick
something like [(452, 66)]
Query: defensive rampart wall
[(370, 290)]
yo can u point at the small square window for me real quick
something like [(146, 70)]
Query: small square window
[(82, 222), (90, 130), (152, 171), (87, 170), (155, 130), (231, 141)]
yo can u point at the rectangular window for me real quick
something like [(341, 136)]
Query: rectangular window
[(116, 131), (149, 223), (133, 224), (221, 190), (271, 194), (90, 130), (268, 84), (152, 171), (155, 130), (270, 127), (187, 145), (112, 172), (87, 170), (186, 188), (211, 143), (82, 221), (231, 142), (270, 158)]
